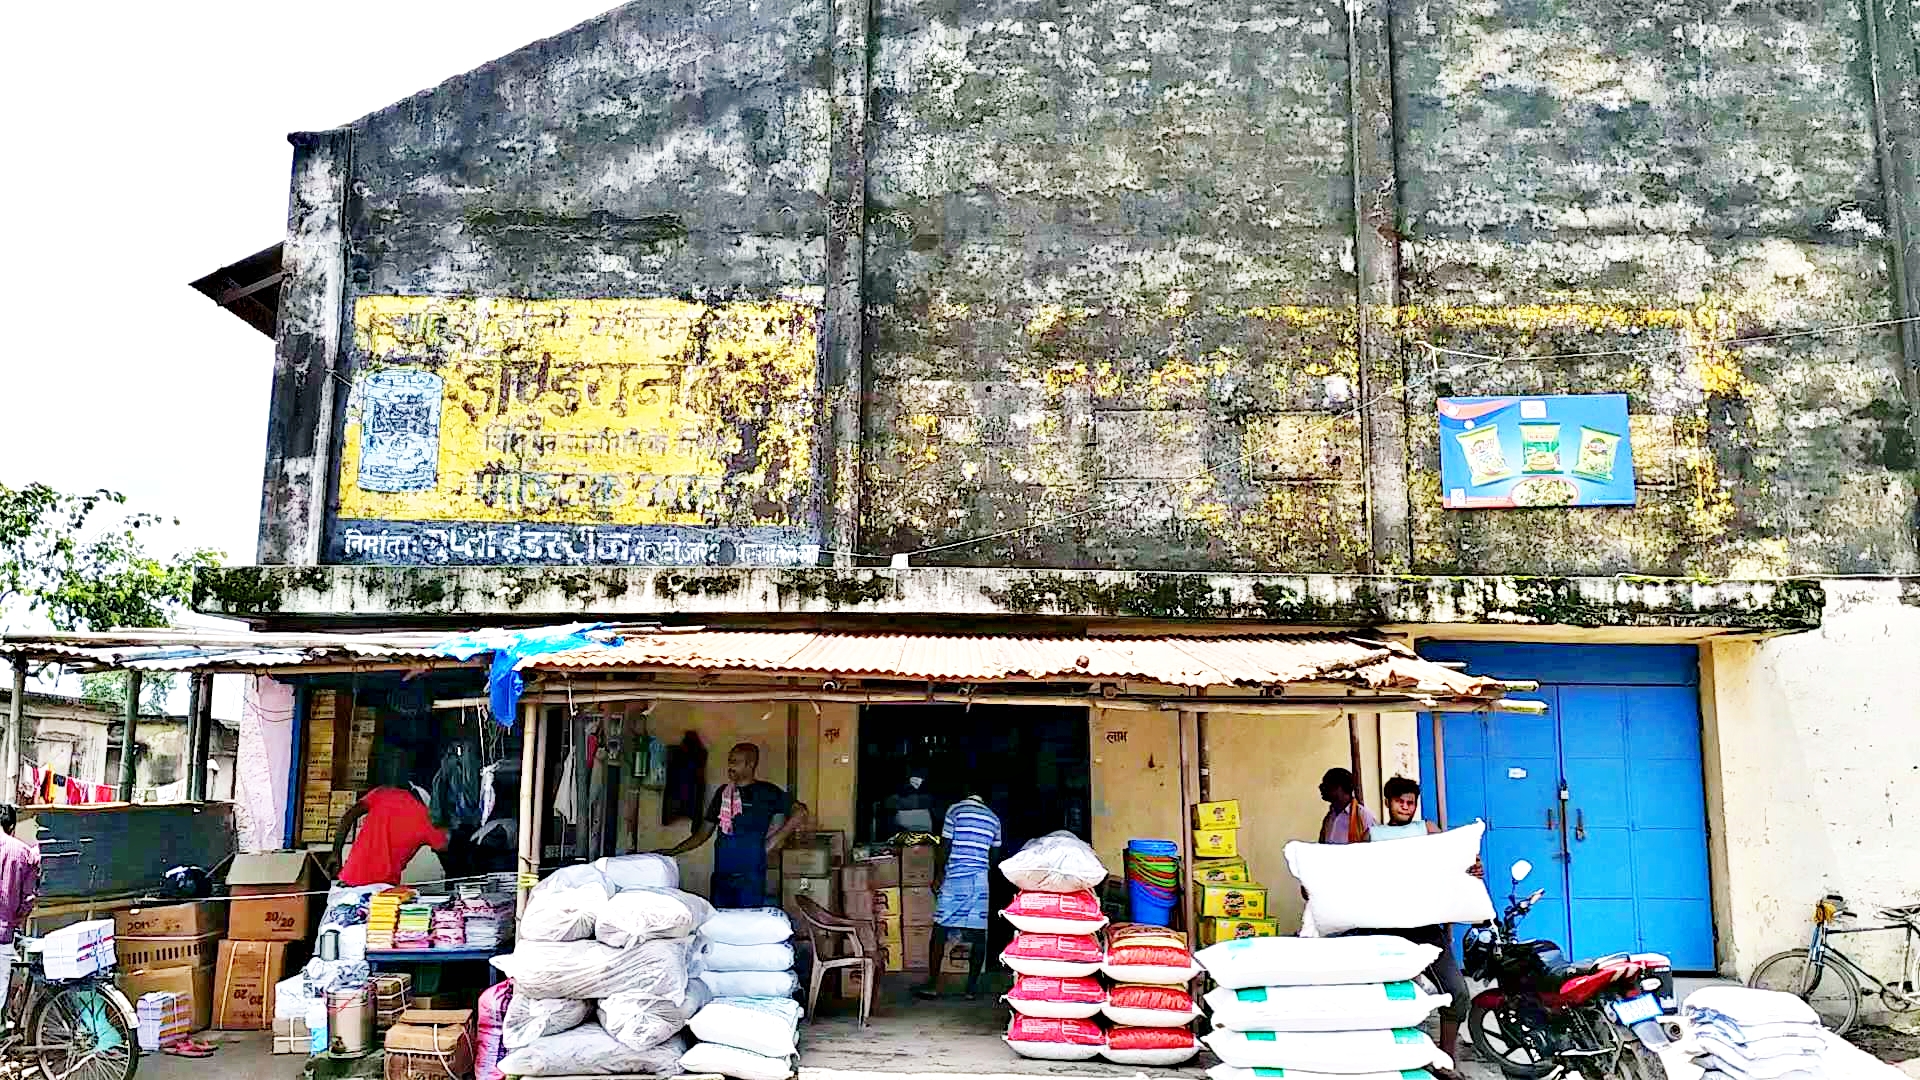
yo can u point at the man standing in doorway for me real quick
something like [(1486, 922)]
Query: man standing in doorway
[(970, 834), (1347, 819), (742, 813)]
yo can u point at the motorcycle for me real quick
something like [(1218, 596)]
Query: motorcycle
[(1544, 1016)]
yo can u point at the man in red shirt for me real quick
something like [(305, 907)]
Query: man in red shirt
[(395, 827)]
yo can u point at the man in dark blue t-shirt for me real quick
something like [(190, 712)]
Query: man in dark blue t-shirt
[(742, 814)]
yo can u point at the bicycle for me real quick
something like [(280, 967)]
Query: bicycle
[(1829, 980), (75, 1029)]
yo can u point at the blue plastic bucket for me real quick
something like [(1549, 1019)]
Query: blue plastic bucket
[(1149, 905), (1154, 847)]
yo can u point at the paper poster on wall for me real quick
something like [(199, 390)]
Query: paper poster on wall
[(1564, 450)]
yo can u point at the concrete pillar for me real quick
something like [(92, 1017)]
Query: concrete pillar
[(843, 353), (1376, 250), (306, 360)]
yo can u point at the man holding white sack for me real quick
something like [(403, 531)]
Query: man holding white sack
[(1402, 798)]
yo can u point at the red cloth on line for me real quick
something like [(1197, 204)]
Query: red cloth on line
[(394, 829)]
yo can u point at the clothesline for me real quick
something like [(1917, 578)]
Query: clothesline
[(44, 787)]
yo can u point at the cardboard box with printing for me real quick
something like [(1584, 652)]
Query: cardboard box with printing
[(917, 948), (171, 920), (244, 980), (916, 905), (917, 864), (196, 983), (870, 875), (274, 896)]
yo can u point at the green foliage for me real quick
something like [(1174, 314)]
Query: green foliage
[(110, 688), (58, 559)]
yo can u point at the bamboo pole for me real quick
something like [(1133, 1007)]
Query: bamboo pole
[(529, 831)]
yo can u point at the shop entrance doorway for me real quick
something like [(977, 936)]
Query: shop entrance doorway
[(1031, 764)]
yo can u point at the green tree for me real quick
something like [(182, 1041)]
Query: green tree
[(73, 560), (110, 688)]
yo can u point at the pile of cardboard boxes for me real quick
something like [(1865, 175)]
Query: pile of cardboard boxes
[(892, 891), (1231, 904), (332, 785), (171, 949), (277, 900)]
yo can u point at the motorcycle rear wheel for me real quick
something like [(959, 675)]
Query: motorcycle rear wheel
[(1639, 1063), (1830, 989), (1492, 1044)]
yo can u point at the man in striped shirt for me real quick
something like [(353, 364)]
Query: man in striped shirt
[(970, 833)]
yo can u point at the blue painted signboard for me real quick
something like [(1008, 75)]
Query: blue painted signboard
[(1565, 450)]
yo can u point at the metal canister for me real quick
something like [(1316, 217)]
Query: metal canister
[(350, 1021)]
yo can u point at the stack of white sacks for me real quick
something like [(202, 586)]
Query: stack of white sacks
[(750, 1027), (601, 971), (1320, 1007), (1345, 1006), (1735, 1033)]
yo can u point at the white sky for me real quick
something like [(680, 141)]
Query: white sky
[(146, 147)]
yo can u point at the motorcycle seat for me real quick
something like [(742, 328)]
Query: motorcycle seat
[(1572, 969)]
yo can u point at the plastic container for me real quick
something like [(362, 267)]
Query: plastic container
[(1150, 905), (350, 1021)]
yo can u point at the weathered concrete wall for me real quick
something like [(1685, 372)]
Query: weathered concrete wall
[(1109, 247), (1592, 178), (1112, 270), (1813, 751)]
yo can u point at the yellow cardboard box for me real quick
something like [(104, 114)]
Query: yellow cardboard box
[(1221, 872), (1214, 931), (1216, 843), (1233, 901), (886, 904), (1217, 815)]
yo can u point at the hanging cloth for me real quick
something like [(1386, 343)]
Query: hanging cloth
[(456, 788), (566, 801), (686, 793), (652, 758)]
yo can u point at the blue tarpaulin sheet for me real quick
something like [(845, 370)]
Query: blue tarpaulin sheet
[(509, 648)]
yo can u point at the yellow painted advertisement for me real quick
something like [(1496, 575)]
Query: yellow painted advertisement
[(589, 431)]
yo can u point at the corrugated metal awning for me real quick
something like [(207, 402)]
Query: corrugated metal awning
[(1352, 659)]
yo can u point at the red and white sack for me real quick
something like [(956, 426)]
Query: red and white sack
[(1150, 1046), (492, 1026), (1056, 999), (1056, 913), (1063, 956), (1138, 953), (1145, 1005), (1055, 1040)]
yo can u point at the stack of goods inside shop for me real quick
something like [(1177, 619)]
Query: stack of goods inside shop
[(1230, 903), (1315, 1006), (887, 887), (1072, 968)]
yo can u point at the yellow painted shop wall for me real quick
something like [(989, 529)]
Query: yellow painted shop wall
[(1136, 780), (1273, 766)]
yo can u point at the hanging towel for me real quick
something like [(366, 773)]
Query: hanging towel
[(730, 808)]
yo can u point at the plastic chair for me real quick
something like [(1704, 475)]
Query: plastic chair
[(825, 930)]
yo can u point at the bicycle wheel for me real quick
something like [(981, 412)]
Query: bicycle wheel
[(1830, 988), (81, 1033)]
